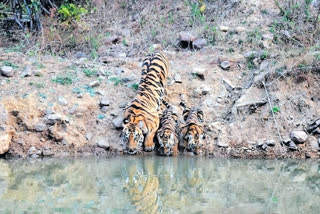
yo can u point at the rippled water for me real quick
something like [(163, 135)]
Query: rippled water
[(152, 185)]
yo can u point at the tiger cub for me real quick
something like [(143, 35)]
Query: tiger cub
[(192, 132), (141, 116), (168, 133)]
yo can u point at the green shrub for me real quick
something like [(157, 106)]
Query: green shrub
[(71, 12)]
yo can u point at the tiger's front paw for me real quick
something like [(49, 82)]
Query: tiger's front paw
[(149, 147)]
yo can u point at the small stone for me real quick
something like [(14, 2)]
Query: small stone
[(53, 118), (264, 65), (40, 127), (27, 72), (47, 152), (205, 90), (104, 101), (240, 29), (270, 142), (222, 144), (267, 36), (33, 150), (251, 54), (73, 109), (292, 146), (3, 82), (99, 92), (80, 95), (225, 65), (224, 28), (199, 43), (200, 72), (315, 145), (259, 143), (286, 141), (79, 55), (298, 136), (7, 71), (104, 109), (34, 156), (62, 101), (94, 84), (186, 36), (264, 146), (156, 47), (197, 92), (177, 78), (228, 85), (117, 122), (103, 143), (307, 155)]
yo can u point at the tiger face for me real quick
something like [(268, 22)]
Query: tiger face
[(132, 137), (166, 142), (195, 139)]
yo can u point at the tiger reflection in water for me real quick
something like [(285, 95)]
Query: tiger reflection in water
[(143, 187)]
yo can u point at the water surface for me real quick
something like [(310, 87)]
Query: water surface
[(156, 184)]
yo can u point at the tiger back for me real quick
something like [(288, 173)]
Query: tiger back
[(168, 133), (141, 116), (192, 132)]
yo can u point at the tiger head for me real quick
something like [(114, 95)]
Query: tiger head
[(132, 136), (194, 134), (166, 141)]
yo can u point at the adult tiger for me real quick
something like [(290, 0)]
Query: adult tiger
[(168, 133), (192, 133), (141, 116)]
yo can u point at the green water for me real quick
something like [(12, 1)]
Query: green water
[(155, 185)]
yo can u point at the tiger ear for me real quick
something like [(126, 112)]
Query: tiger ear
[(200, 115), (186, 113)]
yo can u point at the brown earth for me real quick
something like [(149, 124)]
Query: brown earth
[(47, 116)]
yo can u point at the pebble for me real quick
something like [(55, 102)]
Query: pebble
[(177, 78), (251, 54), (225, 65), (62, 101), (260, 143), (200, 72), (47, 152), (73, 109), (186, 36), (292, 146), (315, 145), (199, 43), (240, 29), (222, 144), (33, 150), (80, 95), (103, 143), (7, 71), (267, 36), (298, 136), (117, 122), (53, 118), (205, 90), (94, 84), (89, 136), (123, 105), (79, 55), (104, 101), (40, 127)]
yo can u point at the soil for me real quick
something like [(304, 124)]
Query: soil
[(244, 108)]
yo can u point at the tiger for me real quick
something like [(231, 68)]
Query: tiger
[(141, 116), (192, 132), (168, 133)]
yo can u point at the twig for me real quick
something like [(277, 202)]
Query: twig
[(274, 117)]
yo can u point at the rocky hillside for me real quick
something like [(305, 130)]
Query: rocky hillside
[(255, 77)]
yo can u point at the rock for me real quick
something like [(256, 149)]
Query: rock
[(5, 141), (286, 141), (104, 102), (33, 151), (240, 29), (47, 152), (53, 118), (62, 101), (94, 84), (104, 109), (200, 72), (186, 37), (199, 43), (222, 144), (225, 65), (156, 47), (40, 127), (80, 95), (264, 65), (228, 85), (260, 143), (112, 40), (99, 92), (7, 71), (224, 28), (252, 96), (205, 90), (264, 146), (117, 122), (298, 136), (292, 146), (123, 105), (34, 156), (251, 54), (73, 109), (27, 72), (177, 78), (270, 142), (197, 92), (103, 143)]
